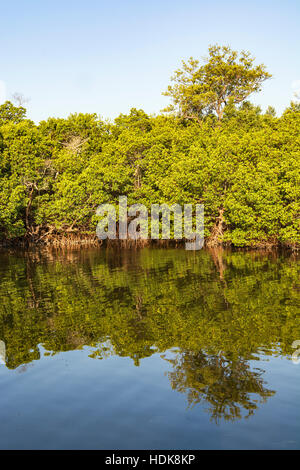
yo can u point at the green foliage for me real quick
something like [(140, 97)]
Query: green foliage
[(225, 78), (11, 113), (23, 172), (244, 168)]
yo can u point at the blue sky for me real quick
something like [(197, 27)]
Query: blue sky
[(108, 56)]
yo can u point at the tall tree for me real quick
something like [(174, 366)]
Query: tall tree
[(11, 114), (225, 77)]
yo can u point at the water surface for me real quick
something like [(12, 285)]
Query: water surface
[(153, 348)]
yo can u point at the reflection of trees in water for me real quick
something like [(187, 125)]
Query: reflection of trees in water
[(148, 301), (229, 387)]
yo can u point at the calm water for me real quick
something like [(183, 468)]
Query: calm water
[(157, 348)]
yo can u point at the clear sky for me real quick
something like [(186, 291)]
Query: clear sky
[(108, 56)]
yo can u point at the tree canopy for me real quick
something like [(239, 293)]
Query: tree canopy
[(243, 168), (226, 77)]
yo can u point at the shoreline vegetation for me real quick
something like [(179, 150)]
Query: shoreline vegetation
[(89, 240), (212, 146)]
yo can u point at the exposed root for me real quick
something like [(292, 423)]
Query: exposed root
[(216, 237)]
